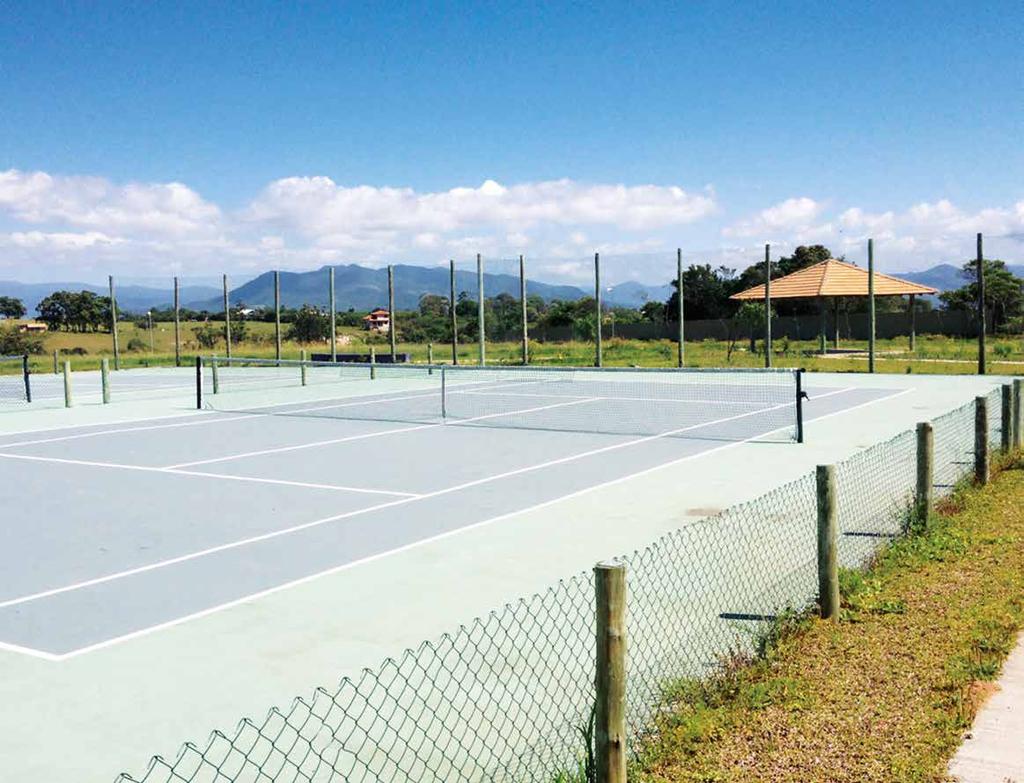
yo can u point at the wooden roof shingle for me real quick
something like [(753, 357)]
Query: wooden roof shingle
[(833, 278)]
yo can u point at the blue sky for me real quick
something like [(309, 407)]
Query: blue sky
[(150, 139)]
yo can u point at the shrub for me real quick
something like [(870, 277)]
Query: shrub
[(13, 342), (137, 344)]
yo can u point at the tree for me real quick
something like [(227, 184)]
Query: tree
[(706, 292), (14, 343), (310, 326), (1003, 292), (803, 257), (11, 307), (79, 312)]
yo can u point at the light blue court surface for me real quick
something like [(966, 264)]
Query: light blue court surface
[(168, 571)]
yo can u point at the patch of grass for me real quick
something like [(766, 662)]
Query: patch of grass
[(884, 694)]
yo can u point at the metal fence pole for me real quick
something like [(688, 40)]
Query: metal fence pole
[(277, 315), (912, 308), (67, 384), (871, 305), (199, 383), (1018, 413), (302, 367), (1006, 417), (828, 563), (113, 324), (105, 380), (681, 357), (214, 377), (334, 315), (56, 362), (924, 496), (373, 363), (767, 306), (451, 313), (177, 324), (26, 378), (480, 308), (392, 315), (981, 308), (610, 676), (981, 440), (430, 358), (597, 309), (522, 303), (227, 321)]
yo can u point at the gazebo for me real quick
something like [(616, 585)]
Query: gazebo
[(832, 279)]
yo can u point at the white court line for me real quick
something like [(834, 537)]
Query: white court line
[(201, 474), (370, 509), (412, 545), (679, 401)]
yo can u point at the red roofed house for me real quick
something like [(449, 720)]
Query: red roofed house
[(379, 320)]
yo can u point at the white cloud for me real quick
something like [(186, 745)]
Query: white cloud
[(61, 240), (793, 214)]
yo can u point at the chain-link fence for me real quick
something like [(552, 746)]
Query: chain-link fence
[(509, 696)]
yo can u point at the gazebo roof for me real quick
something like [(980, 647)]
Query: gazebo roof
[(833, 278)]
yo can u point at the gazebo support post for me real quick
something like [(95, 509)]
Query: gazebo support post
[(824, 325), (835, 323), (912, 313)]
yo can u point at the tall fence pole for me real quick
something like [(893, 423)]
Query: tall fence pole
[(334, 314), (451, 312), (1018, 413), (522, 303), (277, 315), (481, 326), (56, 362), (1006, 418), (981, 440), (871, 305), (924, 497), (113, 323), (912, 318), (681, 354), (303, 377), (767, 305), (828, 562), (597, 309), (105, 381), (177, 324), (67, 384), (981, 308), (392, 315), (26, 378), (227, 321), (610, 673), (199, 383)]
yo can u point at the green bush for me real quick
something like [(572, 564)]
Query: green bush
[(13, 342)]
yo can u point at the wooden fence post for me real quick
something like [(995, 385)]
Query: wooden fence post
[(981, 440), (67, 384), (302, 366), (105, 380), (925, 470), (828, 564), (610, 677)]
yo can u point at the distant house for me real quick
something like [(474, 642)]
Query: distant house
[(379, 320), (32, 327)]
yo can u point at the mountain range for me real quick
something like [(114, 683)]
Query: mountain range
[(363, 288)]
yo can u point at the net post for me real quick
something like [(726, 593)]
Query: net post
[(373, 363), (56, 362), (214, 376), (444, 395), (199, 383), (800, 396), (302, 366), (828, 563), (1018, 413), (67, 384), (1006, 417), (105, 380), (451, 312), (610, 673), (27, 378), (430, 358), (924, 496), (981, 440)]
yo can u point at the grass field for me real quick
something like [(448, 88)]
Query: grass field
[(933, 354), (884, 694)]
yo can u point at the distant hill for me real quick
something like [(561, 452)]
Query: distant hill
[(363, 288), (130, 298), (947, 277)]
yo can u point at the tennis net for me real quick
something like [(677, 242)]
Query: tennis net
[(15, 383), (720, 404)]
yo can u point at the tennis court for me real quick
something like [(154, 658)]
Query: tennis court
[(288, 472)]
